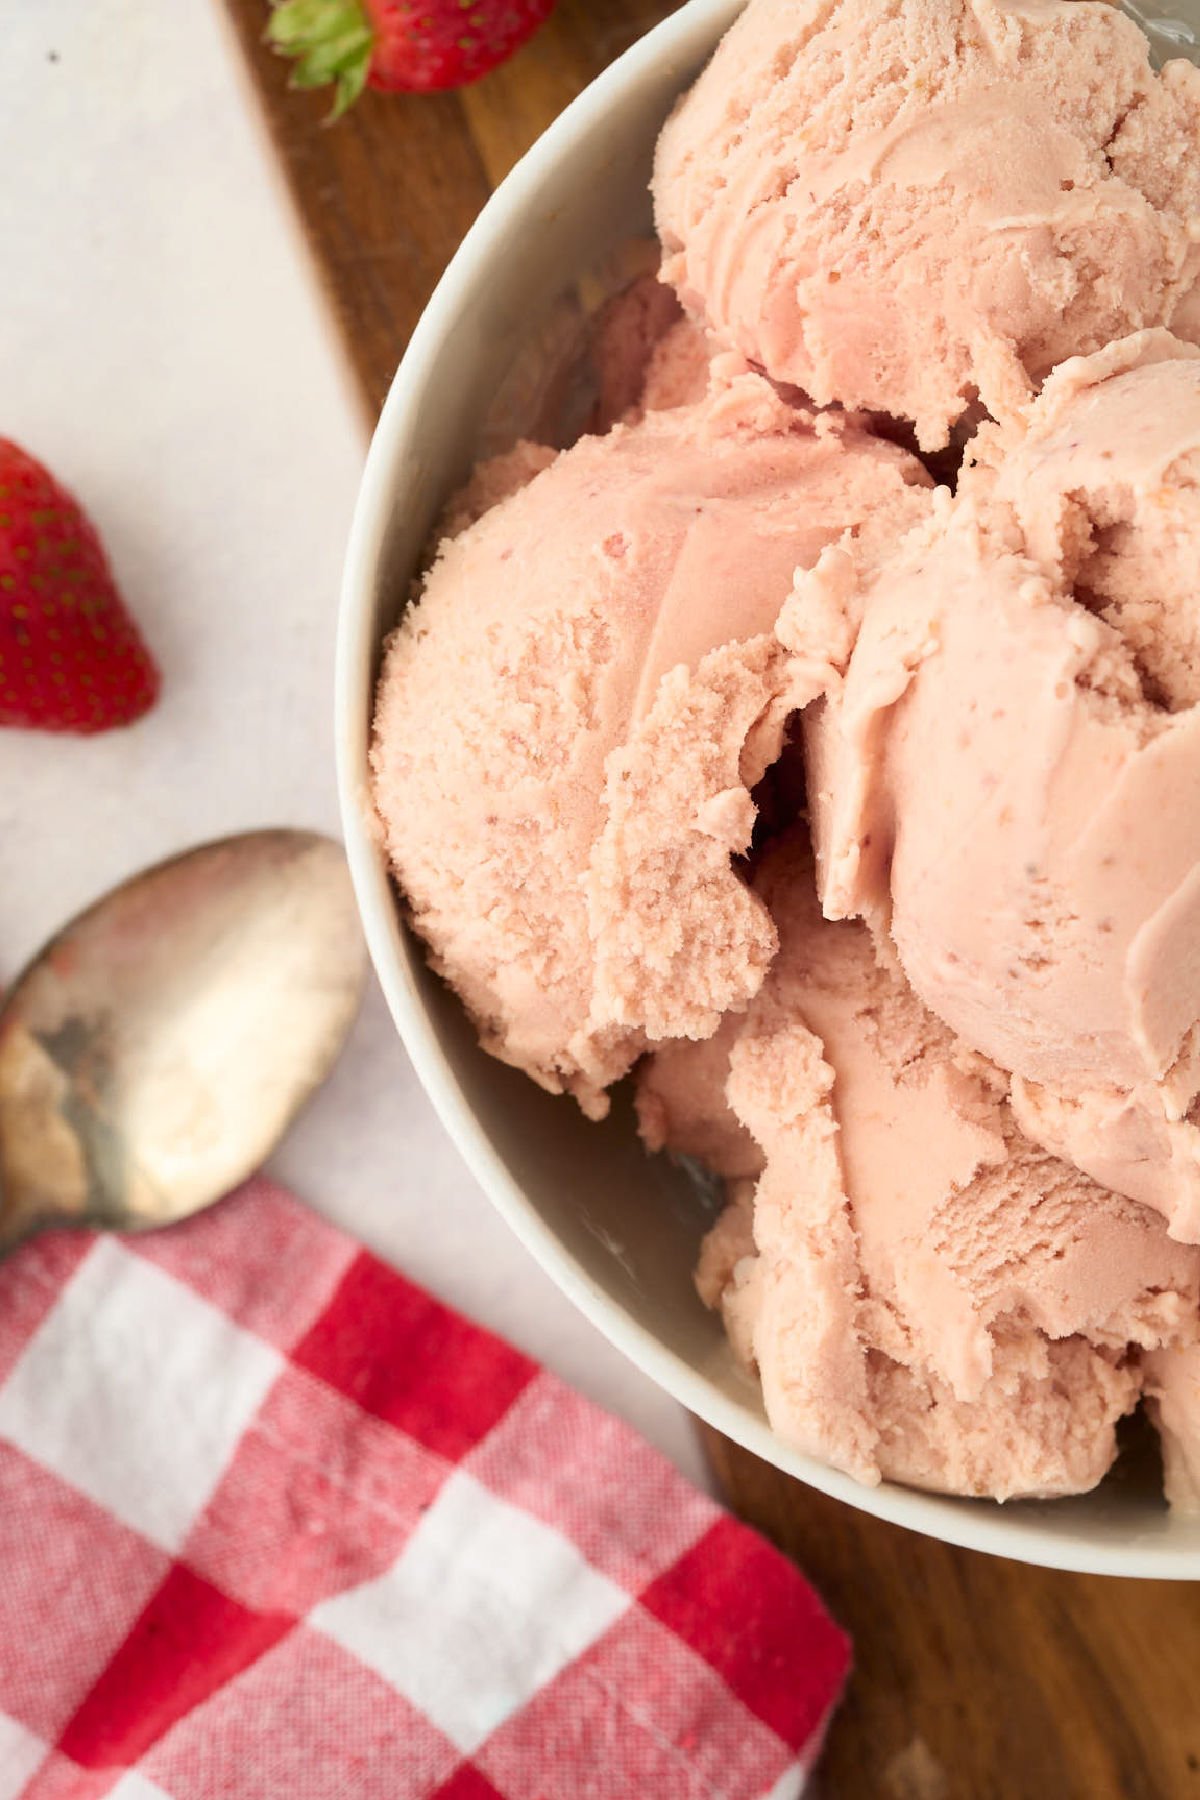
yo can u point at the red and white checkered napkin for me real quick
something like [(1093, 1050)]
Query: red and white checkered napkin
[(277, 1525)]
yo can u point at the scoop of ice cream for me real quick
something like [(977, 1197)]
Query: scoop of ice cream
[(1009, 774), (1173, 1387), (677, 372), (1105, 485), (643, 355), (628, 332), (1136, 1141), (493, 481), (569, 721), (904, 207), (681, 1104), (927, 1295)]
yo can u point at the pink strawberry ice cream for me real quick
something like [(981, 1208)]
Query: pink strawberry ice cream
[(1172, 1382), (647, 357), (901, 206), (571, 717), (925, 1294), (863, 815), (1008, 779)]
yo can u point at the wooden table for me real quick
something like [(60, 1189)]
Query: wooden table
[(974, 1678)]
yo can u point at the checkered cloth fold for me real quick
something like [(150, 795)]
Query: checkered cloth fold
[(277, 1525)]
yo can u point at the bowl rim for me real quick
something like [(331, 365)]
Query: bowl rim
[(980, 1525)]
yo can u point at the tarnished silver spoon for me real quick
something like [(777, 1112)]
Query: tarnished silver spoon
[(1173, 29), (155, 1051)]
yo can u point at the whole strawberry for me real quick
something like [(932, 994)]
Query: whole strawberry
[(71, 658), (409, 46)]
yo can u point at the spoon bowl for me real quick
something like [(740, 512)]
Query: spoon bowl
[(156, 1049)]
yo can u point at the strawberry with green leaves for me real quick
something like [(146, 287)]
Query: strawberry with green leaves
[(409, 46), (71, 658)]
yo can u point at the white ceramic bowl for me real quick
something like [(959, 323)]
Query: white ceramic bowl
[(617, 1230)]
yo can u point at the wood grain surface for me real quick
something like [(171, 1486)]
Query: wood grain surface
[(387, 194), (975, 1679)]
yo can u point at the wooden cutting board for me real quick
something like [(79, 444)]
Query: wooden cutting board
[(975, 1678)]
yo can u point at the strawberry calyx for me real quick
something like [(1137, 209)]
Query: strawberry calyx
[(331, 41)]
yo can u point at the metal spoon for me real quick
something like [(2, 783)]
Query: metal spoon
[(1173, 30), (155, 1051)]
